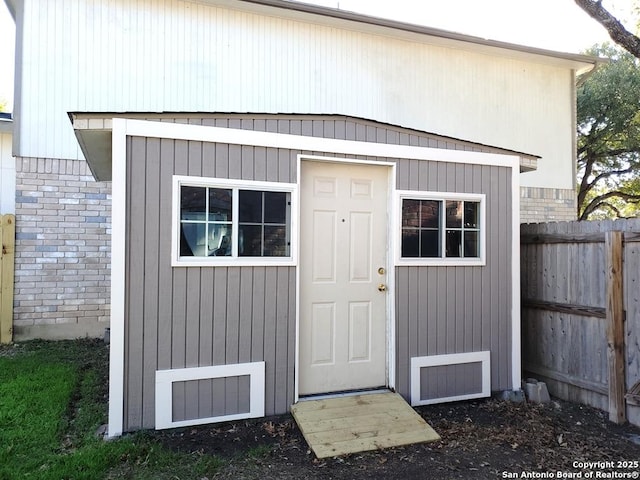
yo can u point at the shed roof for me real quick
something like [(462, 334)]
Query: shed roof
[(93, 131)]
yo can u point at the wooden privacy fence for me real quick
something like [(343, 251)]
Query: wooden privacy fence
[(581, 312), (8, 236)]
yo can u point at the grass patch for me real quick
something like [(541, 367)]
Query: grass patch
[(52, 401), (261, 451)]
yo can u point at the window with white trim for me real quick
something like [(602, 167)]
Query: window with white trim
[(441, 228), (223, 220)]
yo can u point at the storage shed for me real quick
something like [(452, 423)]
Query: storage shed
[(261, 259)]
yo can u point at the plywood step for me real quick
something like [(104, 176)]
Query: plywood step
[(359, 423)]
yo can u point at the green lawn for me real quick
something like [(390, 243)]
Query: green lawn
[(52, 401)]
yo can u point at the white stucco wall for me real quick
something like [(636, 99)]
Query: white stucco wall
[(171, 55)]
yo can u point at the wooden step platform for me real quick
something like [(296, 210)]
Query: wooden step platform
[(360, 423)]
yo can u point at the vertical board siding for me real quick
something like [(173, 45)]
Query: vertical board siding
[(450, 380), (443, 310), (571, 345), (190, 317), (200, 316), (172, 55)]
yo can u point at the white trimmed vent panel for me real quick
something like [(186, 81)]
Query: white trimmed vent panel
[(445, 370), (164, 391)]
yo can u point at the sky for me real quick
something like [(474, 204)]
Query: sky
[(551, 24)]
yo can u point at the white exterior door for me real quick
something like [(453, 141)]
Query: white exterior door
[(343, 262)]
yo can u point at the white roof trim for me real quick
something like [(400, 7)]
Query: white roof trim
[(381, 26)]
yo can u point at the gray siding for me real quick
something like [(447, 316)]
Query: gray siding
[(442, 310), (201, 316), (213, 398), (193, 317), (450, 380)]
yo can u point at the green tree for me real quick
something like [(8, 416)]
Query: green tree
[(608, 119), (3, 105)]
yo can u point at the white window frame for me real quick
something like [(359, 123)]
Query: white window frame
[(442, 261), (234, 259)]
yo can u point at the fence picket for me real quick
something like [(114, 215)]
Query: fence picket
[(568, 285)]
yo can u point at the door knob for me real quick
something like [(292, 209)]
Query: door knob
[(382, 287)]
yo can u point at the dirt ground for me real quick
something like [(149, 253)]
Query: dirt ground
[(479, 439)]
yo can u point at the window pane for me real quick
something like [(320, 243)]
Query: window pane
[(219, 205), (193, 203), (411, 213), (471, 214), (275, 207), (430, 243), (219, 240), (454, 214), (193, 240), (275, 241), (250, 244), (430, 213), (454, 243), (250, 206), (410, 242), (471, 244)]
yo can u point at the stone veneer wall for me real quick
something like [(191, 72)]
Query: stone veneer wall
[(62, 255), (547, 205)]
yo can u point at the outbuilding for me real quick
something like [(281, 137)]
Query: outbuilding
[(261, 259)]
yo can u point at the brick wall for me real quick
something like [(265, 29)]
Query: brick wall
[(547, 205), (63, 223)]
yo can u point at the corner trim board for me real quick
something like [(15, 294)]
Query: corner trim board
[(166, 378), (417, 363), (118, 229)]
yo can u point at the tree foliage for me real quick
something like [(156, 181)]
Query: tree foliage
[(3, 105), (608, 120), (617, 31)]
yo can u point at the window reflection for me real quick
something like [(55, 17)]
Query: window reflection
[(207, 223), (426, 224)]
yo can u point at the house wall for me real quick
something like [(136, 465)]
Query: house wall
[(62, 251), (7, 174), (172, 55), (539, 204), (177, 317)]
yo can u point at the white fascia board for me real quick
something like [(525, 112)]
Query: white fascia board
[(143, 128)]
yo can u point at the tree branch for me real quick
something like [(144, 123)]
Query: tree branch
[(609, 174), (616, 30), (600, 199)]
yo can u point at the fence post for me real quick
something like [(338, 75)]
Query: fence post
[(615, 327), (8, 238)]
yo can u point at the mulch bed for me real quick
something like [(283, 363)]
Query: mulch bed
[(480, 439)]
